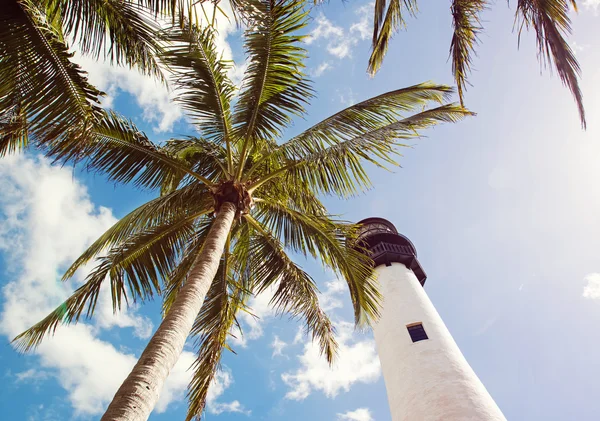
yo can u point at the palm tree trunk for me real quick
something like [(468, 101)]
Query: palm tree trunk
[(137, 396)]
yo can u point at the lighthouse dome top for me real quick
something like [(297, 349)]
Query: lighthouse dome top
[(378, 229)]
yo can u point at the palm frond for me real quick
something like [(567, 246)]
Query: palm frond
[(274, 87), (467, 25), (161, 211), (296, 291), (202, 156), (14, 134), (123, 32), (300, 198), (551, 22), (339, 170), (174, 8), (68, 312), (200, 75), (40, 83), (125, 154), (356, 120), (326, 239), (145, 260), (383, 28)]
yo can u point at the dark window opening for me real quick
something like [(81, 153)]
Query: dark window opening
[(417, 333)]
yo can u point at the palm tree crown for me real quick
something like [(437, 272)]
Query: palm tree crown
[(239, 164)]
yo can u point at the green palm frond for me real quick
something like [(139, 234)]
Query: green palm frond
[(14, 134), (356, 120), (121, 31), (143, 261), (200, 75), (125, 154), (549, 18), (325, 238), (551, 22), (39, 81), (338, 169), (174, 8), (467, 25), (202, 156), (164, 210), (296, 291), (274, 86), (383, 28), (68, 312)]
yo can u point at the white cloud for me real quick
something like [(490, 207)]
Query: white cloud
[(32, 376), (578, 48), (324, 29), (278, 346), (322, 68), (362, 28), (330, 299), (222, 381), (234, 406), (300, 334), (592, 289), (346, 96), (357, 362), (46, 221), (361, 414), (592, 5), (339, 41), (153, 97)]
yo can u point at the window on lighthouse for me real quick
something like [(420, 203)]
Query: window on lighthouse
[(417, 332)]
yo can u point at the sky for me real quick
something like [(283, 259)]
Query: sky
[(502, 208)]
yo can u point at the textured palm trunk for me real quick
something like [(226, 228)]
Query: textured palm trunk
[(137, 396)]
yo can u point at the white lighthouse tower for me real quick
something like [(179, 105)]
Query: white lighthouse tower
[(426, 376)]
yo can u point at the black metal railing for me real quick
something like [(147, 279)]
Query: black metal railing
[(381, 248)]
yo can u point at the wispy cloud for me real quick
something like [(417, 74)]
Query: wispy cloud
[(592, 288), (337, 40), (360, 414), (322, 68), (593, 5), (278, 346)]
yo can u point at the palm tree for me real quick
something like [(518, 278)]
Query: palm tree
[(549, 18), (234, 201), (44, 96)]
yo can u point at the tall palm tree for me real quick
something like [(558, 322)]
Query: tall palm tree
[(234, 201), (549, 19), (46, 97)]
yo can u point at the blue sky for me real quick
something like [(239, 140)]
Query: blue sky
[(503, 209)]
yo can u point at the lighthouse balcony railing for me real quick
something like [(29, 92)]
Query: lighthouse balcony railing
[(382, 248)]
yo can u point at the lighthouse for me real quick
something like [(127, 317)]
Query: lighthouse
[(426, 376)]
